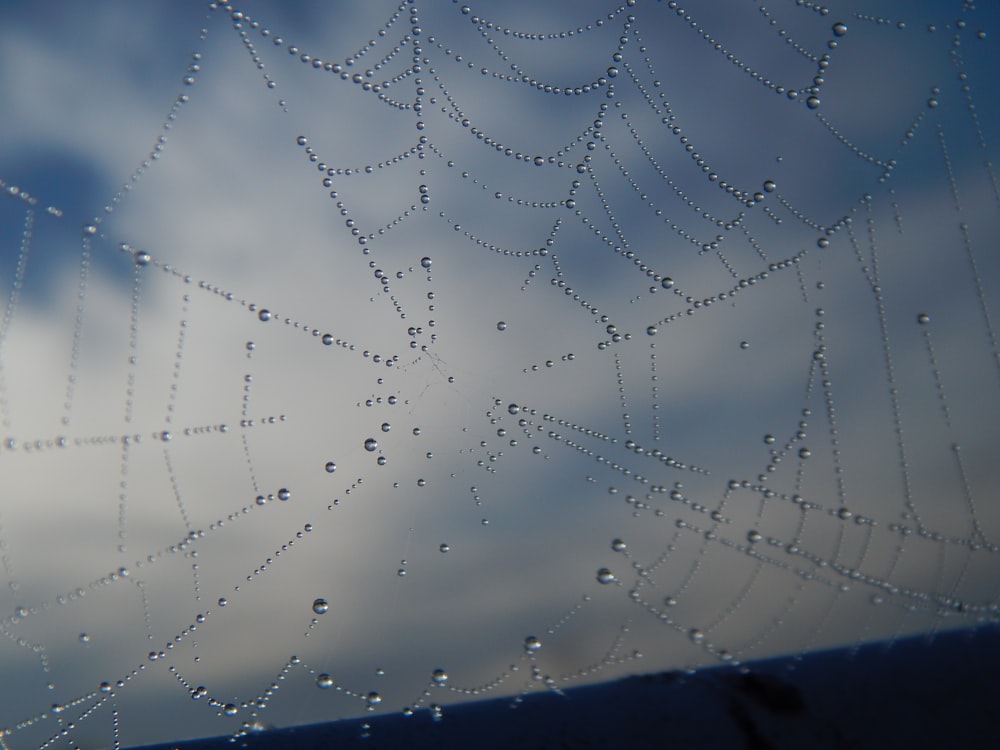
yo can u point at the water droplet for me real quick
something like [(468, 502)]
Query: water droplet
[(302, 140), (667, 282), (812, 102), (769, 439), (618, 545), (89, 230), (839, 29), (84, 638), (770, 186), (371, 444), (105, 687), (284, 493), (425, 262), (612, 72), (753, 536), (444, 547), (373, 698), (501, 326), (230, 709), (264, 315), (531, 643), (327, 339), (330, 467), (386, 427), (651, 330), (439, 676), (223, 601), (142, 258), (605, 576), (804, 453), (321, 606), (696, 635), (512, 409), (923, 319)]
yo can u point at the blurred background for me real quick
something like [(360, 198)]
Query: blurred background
[(362, 358)]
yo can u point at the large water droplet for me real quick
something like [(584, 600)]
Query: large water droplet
[(321, 606), (371, 444), (324, 681), (264, 315), (531, 643), (605, 576), (330, 467), (439, 676)]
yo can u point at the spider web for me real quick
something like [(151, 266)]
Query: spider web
[(380, 356)]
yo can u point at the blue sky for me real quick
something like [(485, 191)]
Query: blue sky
[(147, 403)]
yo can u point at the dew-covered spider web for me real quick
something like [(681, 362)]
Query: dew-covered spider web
[(365, 357)]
